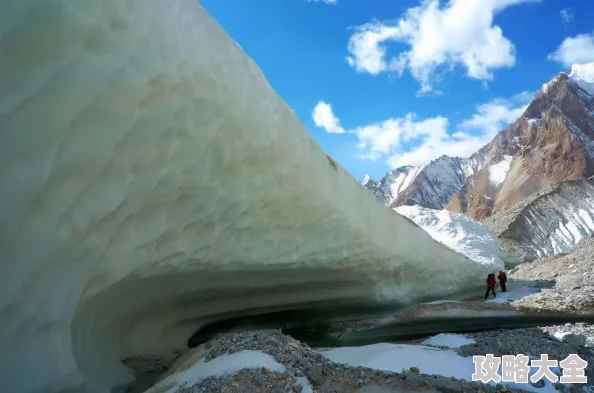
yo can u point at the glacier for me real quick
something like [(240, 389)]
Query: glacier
[(462, 234), (153, 182)]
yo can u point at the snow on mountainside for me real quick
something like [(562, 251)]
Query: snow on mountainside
[(498, 172), (390, 186), (553, 141), (436, 183), (462, 234), (583, 76), (549, 222), (365, 180), (430, 185)]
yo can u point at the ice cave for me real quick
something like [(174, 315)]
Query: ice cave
[(152, 181)]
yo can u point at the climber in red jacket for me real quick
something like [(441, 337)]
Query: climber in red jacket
[(502, 280), (490, 285)]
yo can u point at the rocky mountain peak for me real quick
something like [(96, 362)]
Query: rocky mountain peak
[(553, 141)]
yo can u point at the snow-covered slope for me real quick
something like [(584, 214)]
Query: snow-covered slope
[(550, 222), (436, 183), (390, 186), (431, 185), (152, 181), (498, 172), (583, 76), (462, 234)]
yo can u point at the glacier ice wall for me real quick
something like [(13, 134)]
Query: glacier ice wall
[(151, 181), (550, 222)]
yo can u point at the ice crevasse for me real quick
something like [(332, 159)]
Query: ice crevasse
[(151, 181)]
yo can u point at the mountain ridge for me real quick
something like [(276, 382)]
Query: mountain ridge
[(552, 141)]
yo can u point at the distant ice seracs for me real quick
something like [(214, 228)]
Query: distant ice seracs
[(460, 233)]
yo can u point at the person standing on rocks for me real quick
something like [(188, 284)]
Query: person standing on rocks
[(490, 285), (502, 280)]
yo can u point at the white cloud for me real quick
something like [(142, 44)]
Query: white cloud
[(410, 141), (382, 139), (575, 50), (493, 116), (567, 15), (324, 1), (461, 33), (324, 118)]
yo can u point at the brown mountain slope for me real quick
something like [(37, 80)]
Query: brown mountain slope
[(551, 142)]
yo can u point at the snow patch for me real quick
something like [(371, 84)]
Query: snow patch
[(458, 232), (515, 290), (218, 367), (583, 76), (365, 179), (304, 383), (498, 172), (429, 360), (449, 340), (531, 123)]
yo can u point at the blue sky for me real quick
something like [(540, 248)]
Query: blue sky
[(382, 83)]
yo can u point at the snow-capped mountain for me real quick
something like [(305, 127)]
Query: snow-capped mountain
[(553, 141), (431, 185), (549, 222), (436, 183), (390, 186)]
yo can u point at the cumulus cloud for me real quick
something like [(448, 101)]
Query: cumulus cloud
[(460, 33), (574, 50), (384, 138), (411, 141), (493, 116), (567, 15), (324, 118)]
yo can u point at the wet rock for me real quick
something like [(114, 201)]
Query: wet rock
[(257, 381), (574, 339), (315, 376)]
